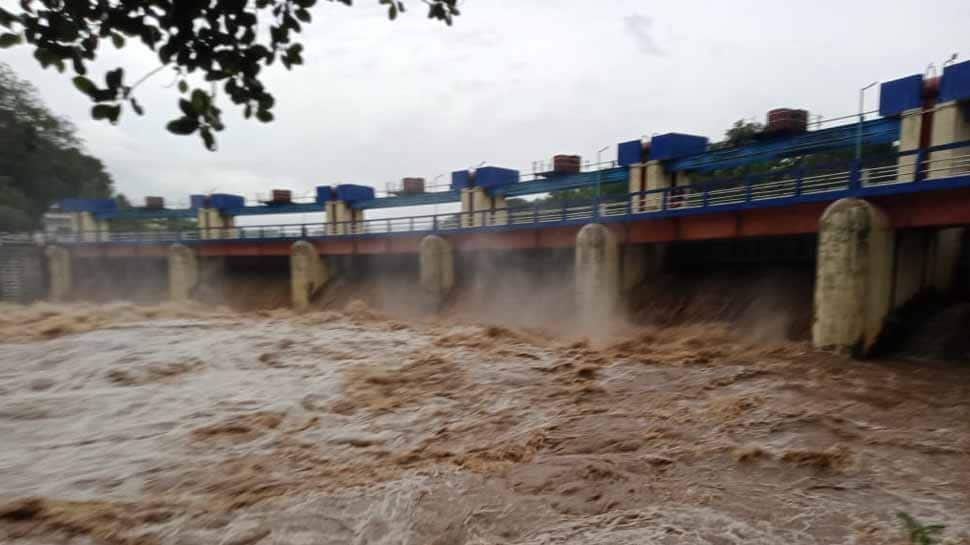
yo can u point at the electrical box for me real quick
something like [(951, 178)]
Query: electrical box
[(630, 153), (955, 84), (461, 179), (897, 96), (675, 145), (352, 193), (223, 201), (490, 177), (325, 193)]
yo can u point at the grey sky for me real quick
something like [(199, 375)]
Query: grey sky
[(514, 81)]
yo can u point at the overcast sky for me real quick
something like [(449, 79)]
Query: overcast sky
[(512, 82)]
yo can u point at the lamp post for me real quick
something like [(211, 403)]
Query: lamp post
[(599, 170), (862, 118)]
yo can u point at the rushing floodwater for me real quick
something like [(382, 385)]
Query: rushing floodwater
[(127, 425)]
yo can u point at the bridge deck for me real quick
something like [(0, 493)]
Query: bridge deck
[(926, 192)]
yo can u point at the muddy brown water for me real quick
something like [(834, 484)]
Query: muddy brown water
[(188, 425)]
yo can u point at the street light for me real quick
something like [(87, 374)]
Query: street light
[(599, 170), (862, 118)]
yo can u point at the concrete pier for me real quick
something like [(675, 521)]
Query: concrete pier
[(183, 272), (597, 274), (854, 277), (308, 273), (437, 263), (59, 272)]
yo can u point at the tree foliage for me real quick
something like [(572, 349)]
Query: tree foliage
[(228, 42), (41, 158)]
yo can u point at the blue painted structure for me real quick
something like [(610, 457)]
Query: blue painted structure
[(461, 179), (955, 84), (773, 189), (877, 131), (629, 153), (897, 96), (224, 201), (495, 177), (352, 193), (417, 199), (87, 205), (665, 147), (325, 193), (506, 182)]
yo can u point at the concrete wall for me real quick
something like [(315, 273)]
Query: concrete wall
[(23, 276)]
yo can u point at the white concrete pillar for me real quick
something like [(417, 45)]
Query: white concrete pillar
[(214, 225), (437, 264), (468, 207), (308, 273), (342, 219), (656, 178), (636, 183), (853, 285), (597, 272), (951, 123), (91, 228), (910, 129), (183, 272), (479, 209), (59, 272)]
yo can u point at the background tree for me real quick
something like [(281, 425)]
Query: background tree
[(227, 42), (41, 158)]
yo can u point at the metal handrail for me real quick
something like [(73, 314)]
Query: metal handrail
[(782, 184)]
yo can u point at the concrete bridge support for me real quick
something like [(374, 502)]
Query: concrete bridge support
[(308, 273), (854, 277), (951, 123), (214, 225), (183, 272), (479, 209), (598, 275), (342, 219), (59, 272), (437, 274)]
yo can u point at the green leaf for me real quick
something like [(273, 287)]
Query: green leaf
[(200, 101), (118, 40), (111, 112), (183, 86), (85, 85), (187, 108), (303, 15), (208, 139), (248, 111), (183, 125), (136, 107), (9, 40), (264, 115), (113, 78)]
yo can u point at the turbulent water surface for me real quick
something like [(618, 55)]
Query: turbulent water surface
[(168, 425)]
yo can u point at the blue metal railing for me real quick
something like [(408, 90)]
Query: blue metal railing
[(938, 167)]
